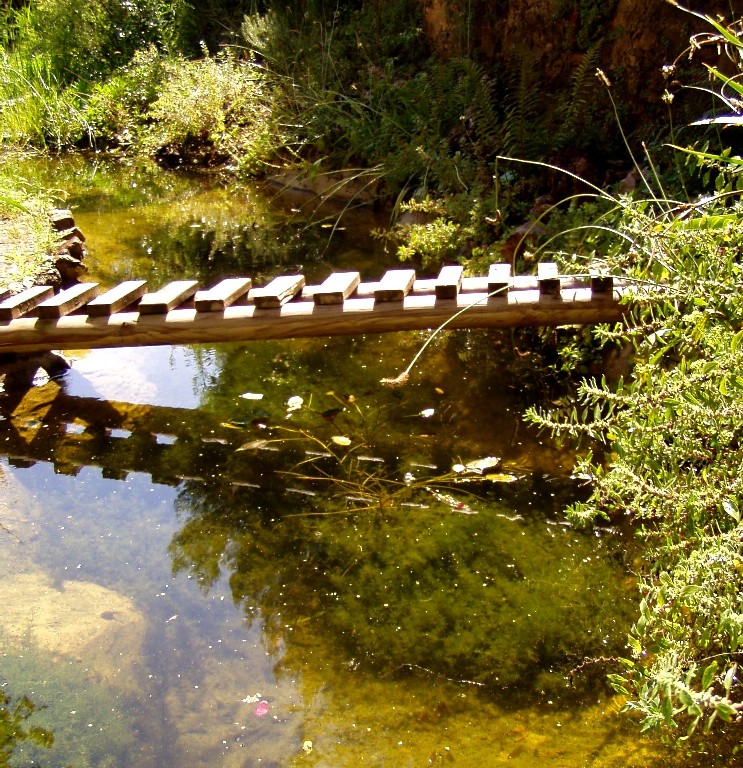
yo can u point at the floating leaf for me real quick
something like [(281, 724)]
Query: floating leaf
[(438, 390), (252, 396), (458, 468), (480, 465), (341, 440), (452, 502), (426, 413), (501, 477), (253, 445), (294, 403), (307, 747)]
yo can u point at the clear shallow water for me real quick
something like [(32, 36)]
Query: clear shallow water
[(178, 551)]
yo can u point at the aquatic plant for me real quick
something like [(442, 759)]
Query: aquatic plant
[(15, 729)]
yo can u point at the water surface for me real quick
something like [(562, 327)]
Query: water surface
[(199, 569)]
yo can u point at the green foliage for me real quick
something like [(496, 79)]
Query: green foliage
[(211, 110), (84, 41), (24, 211), (36, 109), (671, 444), (15, 729), (116, 111)]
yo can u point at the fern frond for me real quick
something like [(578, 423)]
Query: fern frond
[(522, 137)]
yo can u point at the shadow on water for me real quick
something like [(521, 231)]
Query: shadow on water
[(257, 555)]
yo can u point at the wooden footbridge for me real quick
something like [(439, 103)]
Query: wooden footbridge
[(84, 317)]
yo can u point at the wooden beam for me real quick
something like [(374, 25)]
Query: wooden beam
[(395, 285), (336, 288), (548, 278), (167, 298), (277, 292), (449, 282), (499, 279)]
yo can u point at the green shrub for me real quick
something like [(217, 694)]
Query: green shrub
[(116, 111), (212, 110), (670, 439)]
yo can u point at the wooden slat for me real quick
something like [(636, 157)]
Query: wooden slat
[(66, 301), (548, 278), (337, 288), (117, 298), (499, 279), (449, 282), (395, 285), (222, 295), (277, 292), (18, 305), (601, 282), (168, 297)]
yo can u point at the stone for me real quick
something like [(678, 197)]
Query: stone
[(61, 219)]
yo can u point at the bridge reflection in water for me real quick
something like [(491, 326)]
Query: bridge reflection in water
[(45, 424)]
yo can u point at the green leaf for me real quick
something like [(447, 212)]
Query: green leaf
[(733, 160), (725, 711), (727, 81), (719, 221), (709, 675), (686, 698)]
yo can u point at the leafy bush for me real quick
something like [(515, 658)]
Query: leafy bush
[(670, 443), (211, 110)]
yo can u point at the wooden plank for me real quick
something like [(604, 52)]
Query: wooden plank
[(168, 297), (222, 295), (601, 282), (117, 298), (499, 279), (66, 301), (18, 305), (395, 285), (277, 292), (548, 278), (336, 288), (449, 282)]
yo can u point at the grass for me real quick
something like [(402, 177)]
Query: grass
[(27, 239)]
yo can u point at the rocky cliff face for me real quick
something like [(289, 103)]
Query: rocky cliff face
[(635, 38)]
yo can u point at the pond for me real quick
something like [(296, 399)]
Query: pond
[(257, 555)]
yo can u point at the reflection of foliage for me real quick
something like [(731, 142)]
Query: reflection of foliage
[(394, 573), (14, 727)]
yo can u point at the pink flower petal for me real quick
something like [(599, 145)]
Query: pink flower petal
[(262, 709)]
